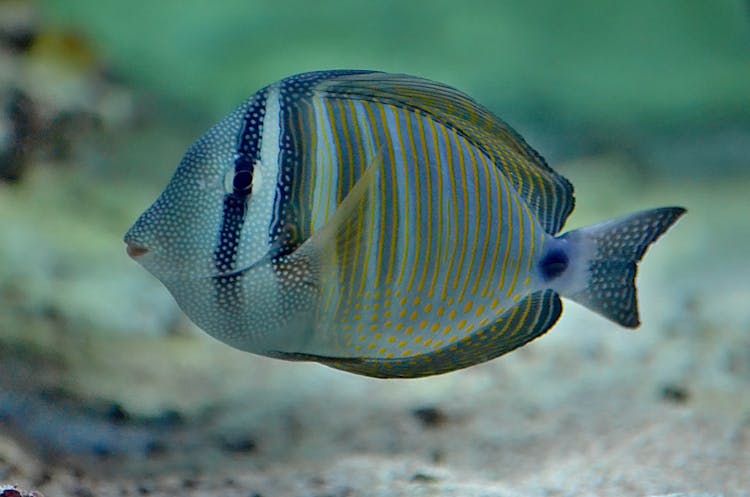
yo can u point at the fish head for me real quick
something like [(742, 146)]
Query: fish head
[(178, 236)]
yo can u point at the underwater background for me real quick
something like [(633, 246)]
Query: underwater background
[(107, 389)]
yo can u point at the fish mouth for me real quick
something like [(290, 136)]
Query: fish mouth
[(134, 250)]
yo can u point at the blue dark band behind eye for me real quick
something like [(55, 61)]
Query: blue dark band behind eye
[(248, 145)]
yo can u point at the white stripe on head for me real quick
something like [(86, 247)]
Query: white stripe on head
[(260, 212)]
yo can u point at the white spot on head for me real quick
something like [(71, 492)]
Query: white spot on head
[(228, 181), (259, 176)]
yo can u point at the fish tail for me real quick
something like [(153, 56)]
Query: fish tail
[(596, 265)]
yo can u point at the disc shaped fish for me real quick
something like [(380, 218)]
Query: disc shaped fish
[(382, 224)]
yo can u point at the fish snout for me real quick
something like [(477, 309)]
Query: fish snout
[(134, 250)]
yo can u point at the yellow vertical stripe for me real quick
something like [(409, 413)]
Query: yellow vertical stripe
[(520, 238), (370, 245), (395, 228), (354, 264), (490, 209), (465, 220), (405, 197), (508, 231), (531, 253), (454, 217), (472, 270), (426, 255), (439, 166), (418, 206), (347, 143)]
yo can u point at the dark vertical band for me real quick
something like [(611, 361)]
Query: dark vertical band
[(228, 290)]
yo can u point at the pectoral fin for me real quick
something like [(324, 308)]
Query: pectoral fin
[(343, 240)]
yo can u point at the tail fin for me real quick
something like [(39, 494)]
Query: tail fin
[(603, 261)]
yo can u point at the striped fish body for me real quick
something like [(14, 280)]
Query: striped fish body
[(381, 224)]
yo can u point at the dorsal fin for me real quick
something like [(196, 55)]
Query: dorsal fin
[(548, 194)]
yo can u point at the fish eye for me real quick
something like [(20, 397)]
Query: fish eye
[(242, 182), (239, 179)]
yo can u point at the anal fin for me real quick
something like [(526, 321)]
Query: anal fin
[(522, 323)]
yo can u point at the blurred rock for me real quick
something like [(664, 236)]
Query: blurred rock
[(18, 22), (13, 491), (55, 94), (16, 133)]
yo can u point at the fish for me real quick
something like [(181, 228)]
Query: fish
[(381, 224)]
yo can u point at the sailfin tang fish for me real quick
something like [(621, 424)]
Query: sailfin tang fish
[(382, 224)]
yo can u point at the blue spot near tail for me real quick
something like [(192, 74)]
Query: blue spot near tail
[(553, 264)]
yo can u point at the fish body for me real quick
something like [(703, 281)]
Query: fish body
[(382, 224)]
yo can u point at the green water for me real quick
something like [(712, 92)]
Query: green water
[(579, 60)]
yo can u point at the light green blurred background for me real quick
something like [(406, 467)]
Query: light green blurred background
[(662, 65)]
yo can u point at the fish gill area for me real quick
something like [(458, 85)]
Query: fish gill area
[(107, 389)]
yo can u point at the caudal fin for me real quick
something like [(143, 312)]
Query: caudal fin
[(596, 266)]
